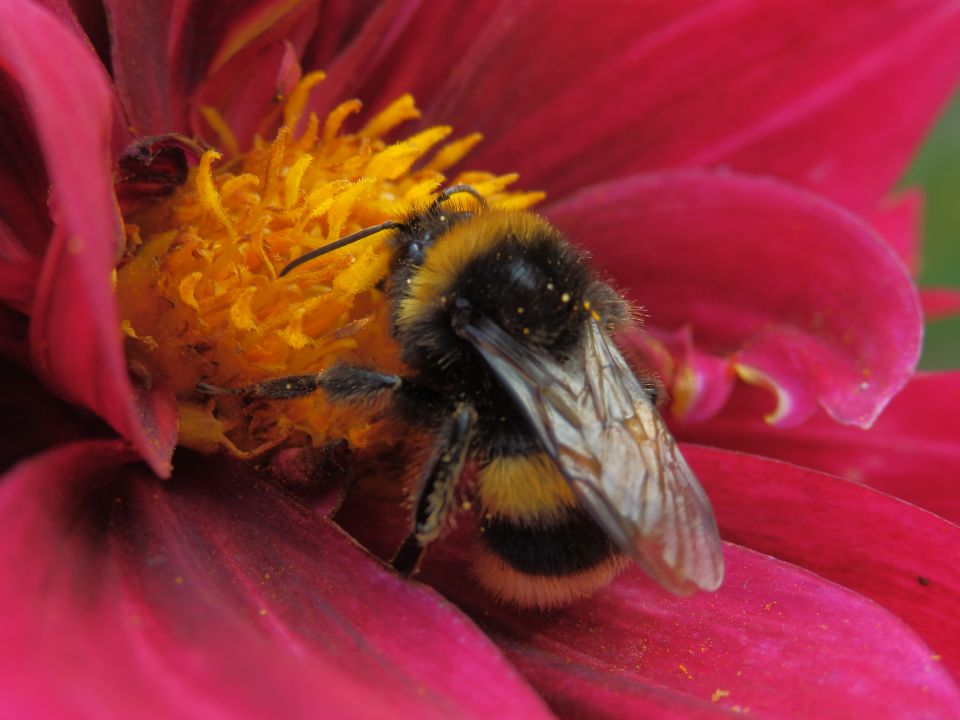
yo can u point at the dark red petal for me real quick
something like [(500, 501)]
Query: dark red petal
[(832, 96), (23, 181), (912, 451), (251, 70), (775, 639), (18, 281), (32, 420), (363, 53), (213, 595), (160, 57), (761, 272), (940, 303), (343, 20), (75, 337)]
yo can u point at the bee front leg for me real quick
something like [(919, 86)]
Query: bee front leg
[(345, 383), (436, 495)]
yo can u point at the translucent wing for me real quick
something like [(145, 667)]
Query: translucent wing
[(595, 420)]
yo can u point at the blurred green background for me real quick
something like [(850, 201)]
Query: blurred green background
[(937, 170)]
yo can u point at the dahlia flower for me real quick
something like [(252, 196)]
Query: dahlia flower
[(728, 165)]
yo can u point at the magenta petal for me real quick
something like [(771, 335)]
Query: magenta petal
[(912, 451), (213, 595), (898, 220), (940, 303), (74, 333), (902, 557), (760, 271), (775, 639), (812, 93)]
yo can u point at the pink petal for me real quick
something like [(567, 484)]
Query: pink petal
[(939, 303), (831, 96), (899, 222), (912, 451), (761, 272), (74, 332), (900, 556), (580, 690), (215, 596), (775, 639)]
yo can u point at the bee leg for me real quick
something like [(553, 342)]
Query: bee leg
[(354, 384), (346, 383), (437, 493), (456, 190), (281, 388)]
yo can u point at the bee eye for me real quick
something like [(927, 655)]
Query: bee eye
[(415, 252)]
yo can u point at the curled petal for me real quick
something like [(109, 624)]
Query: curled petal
[(74, 330), (760, 272), (898, 555), (912, 451), (213, 594), (699, 383)]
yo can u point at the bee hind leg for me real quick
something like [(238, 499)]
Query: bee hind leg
[(436, 496)]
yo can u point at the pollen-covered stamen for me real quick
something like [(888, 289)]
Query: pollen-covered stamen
[(202, 299)]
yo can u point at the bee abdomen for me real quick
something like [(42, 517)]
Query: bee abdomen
[(573, 545), (538, 547)]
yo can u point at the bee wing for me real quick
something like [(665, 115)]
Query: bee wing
[(599, 426)]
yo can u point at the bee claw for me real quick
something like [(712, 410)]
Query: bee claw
[(207, 389)]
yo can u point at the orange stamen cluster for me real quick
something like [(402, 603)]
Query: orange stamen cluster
[(201, 298)]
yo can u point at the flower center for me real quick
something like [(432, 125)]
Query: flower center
[(201, 299)]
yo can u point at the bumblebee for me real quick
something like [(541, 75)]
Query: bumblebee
[(506, 333)]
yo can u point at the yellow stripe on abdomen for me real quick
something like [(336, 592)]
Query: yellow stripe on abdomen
[(524, 489)]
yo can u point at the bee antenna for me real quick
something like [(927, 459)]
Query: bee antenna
[(456, 190), (342, 242)]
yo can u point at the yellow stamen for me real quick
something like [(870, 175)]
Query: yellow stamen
[(396, 160), (209, 195), (299, 97), (454, 152), (335, 119), (201, 292), (396, 113)]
